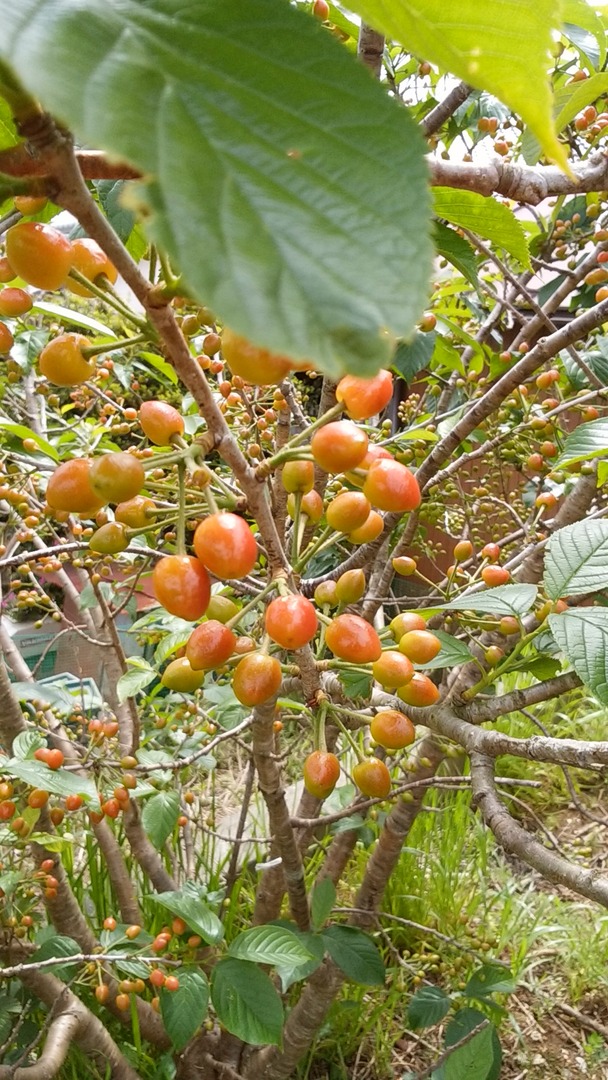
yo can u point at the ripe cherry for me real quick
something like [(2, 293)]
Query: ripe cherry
[(348, 511), (73, 802), (392, 669), (420, 691), (179, 675), (7, 809), (69, 488), (392, 729), (225, 544), (321, 773), (491, 552), (372, 778), (40, 254), (102, 993), (92, 262), (370, 530), (181, 584), (291, 621), (172, 983), (254, 364), (55, 759), (339, 446), (391, 486), (420, 646), (495, 575), (363, 398), (37, 798), (157, 977), (405, 621), (62, 361), (160, 422), (256, 678), (350, 637), (311, 504), (210, 645), (6, 339), (116, 477), (122, 1002), (404, 566), (14, 302)]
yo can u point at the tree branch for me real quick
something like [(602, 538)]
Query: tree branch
[(518, 841)]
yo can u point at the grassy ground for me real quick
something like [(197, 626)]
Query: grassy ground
[(457, 902)]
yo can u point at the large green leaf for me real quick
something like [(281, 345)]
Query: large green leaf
[(159, 816), (184, 1010), (453, 247), (583, 636), (461, 1024), (428, 1007), (246, 1002), (576, 560), (190, 905), (504, 600), (270, 945), (413, 356), (585, 442), (355, 954), (486, 217), (473, 1060), (501, 46), (287, 185), (58, 781), (322, 901)]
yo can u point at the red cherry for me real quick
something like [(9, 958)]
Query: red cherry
[(352, 638), (291, 621)]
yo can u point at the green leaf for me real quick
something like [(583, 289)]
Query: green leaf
[(428, 1006), (190, 905), (184, 1010), (583, 637), (474, 1060), (569, 100), (322, 901), (8, 131), (504, 600), (576, 559), (486, 217), (356, 684), (58, 781), (74, 318), (159, 816), (270, 945), (355, 954), (26, 743), (502, 47), (453, 652), (272, 152), (292, 973), (490, 979), (580, 13), (53, 695), (57, 946), (453, 247), (111, 198), (541, 667), (462, 1022), (20, 431), (134, 681), (159, 364), (413, 356), (585, 442), (246, 1002)]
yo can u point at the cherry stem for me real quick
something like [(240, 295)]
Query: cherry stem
[(295, 534), (109, 297), (98, 350), (347, 735), (181, 512), (315, 546), (270, 587)]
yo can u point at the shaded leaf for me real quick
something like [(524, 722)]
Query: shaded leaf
[(322, 901), (57, 781), (453, 247), (428, 1006), (490, 979), (183, 1010), (413, 356), (355, 954), (453, 652), (246, 1002)]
